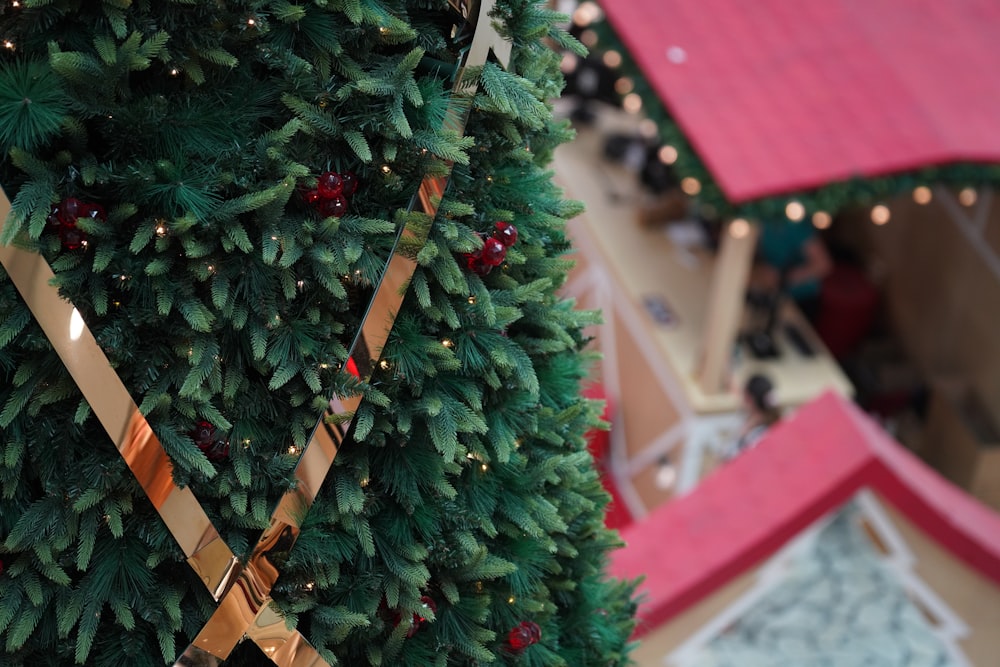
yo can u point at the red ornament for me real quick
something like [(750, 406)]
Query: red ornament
[(474, 262), (204, 437), (63, 216), (333, 208), (70, 209), (203, 434), (523, 635), (350, 182), (493, 252), (506, 233), (419, 620), (1, 567), (311, 197), (330, 185)]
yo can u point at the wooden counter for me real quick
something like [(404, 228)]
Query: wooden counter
[(646, 264)]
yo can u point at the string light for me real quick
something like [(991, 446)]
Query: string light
[(448, 343), (364, 482), (624, 85), (472, 299), (511, 600), (300, 283), (251, 21), (586, 13), (647, 128), (568, 63), (612, 59), (632, 103), (384, 365), (174, 71), (667, 154), (7, 44), (161, 229), (690, 185), (293, 450), (484, 467), (795, 210), (310, 585), (967, 196), (880, 214), (822, 220), (386, 169), (739, 228), (922, 195)]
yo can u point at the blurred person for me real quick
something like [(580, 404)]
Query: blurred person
[(761, 411), (793, 261)]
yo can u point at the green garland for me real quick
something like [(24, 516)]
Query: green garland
[(831, 198)]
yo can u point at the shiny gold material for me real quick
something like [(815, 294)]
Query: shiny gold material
[(244, 591), (118, 413)]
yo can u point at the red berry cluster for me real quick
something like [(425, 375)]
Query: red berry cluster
[(419, 620), (216, 449), (494, 249), (523, 635), (330, 196), (62, 220)]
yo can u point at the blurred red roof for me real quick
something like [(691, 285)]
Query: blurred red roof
[(802, 469), (778, 96)]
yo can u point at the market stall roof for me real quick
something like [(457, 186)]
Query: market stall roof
[(780, 96), (803, 468)]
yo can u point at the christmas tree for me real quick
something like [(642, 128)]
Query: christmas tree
[(209, 195)]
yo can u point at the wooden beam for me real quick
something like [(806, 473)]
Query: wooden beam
[(725, 305)]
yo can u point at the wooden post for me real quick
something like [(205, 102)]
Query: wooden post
[(725, 305)]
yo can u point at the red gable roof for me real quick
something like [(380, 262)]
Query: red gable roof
[(802, 469), (778, 96)]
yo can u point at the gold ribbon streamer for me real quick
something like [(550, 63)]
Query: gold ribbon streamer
[(243, 591)]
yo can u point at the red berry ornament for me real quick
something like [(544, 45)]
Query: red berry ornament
[(215, 449), (523, 635), (419, 620), (62, 219), (474, 262), (506, 233), (69, 210), (330, 185), (349, 181), (333, 208), (493, 252), (1, 567)]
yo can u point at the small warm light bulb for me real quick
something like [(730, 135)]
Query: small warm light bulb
[(568, 63), (447, 342), (647, 128), (967, 196), (667, 154), (15, 4), (880, 214), (292, 449), (632, 103), (922, 195), (386, 169), (795, 210), (690, 185), (310, 585), (251, 21), (472, 299), (586, 13), (612, 58), (624, 85), (161, 230), (75, 325), (511, 600), (484, 467), (739, 228), (383, 30), (589, 38), (666, 475), (300, 283), (822, 220), (174, 71), (384, 365), (8, 44), (364, 482)]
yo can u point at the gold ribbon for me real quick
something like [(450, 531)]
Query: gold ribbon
[(243, 590)]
